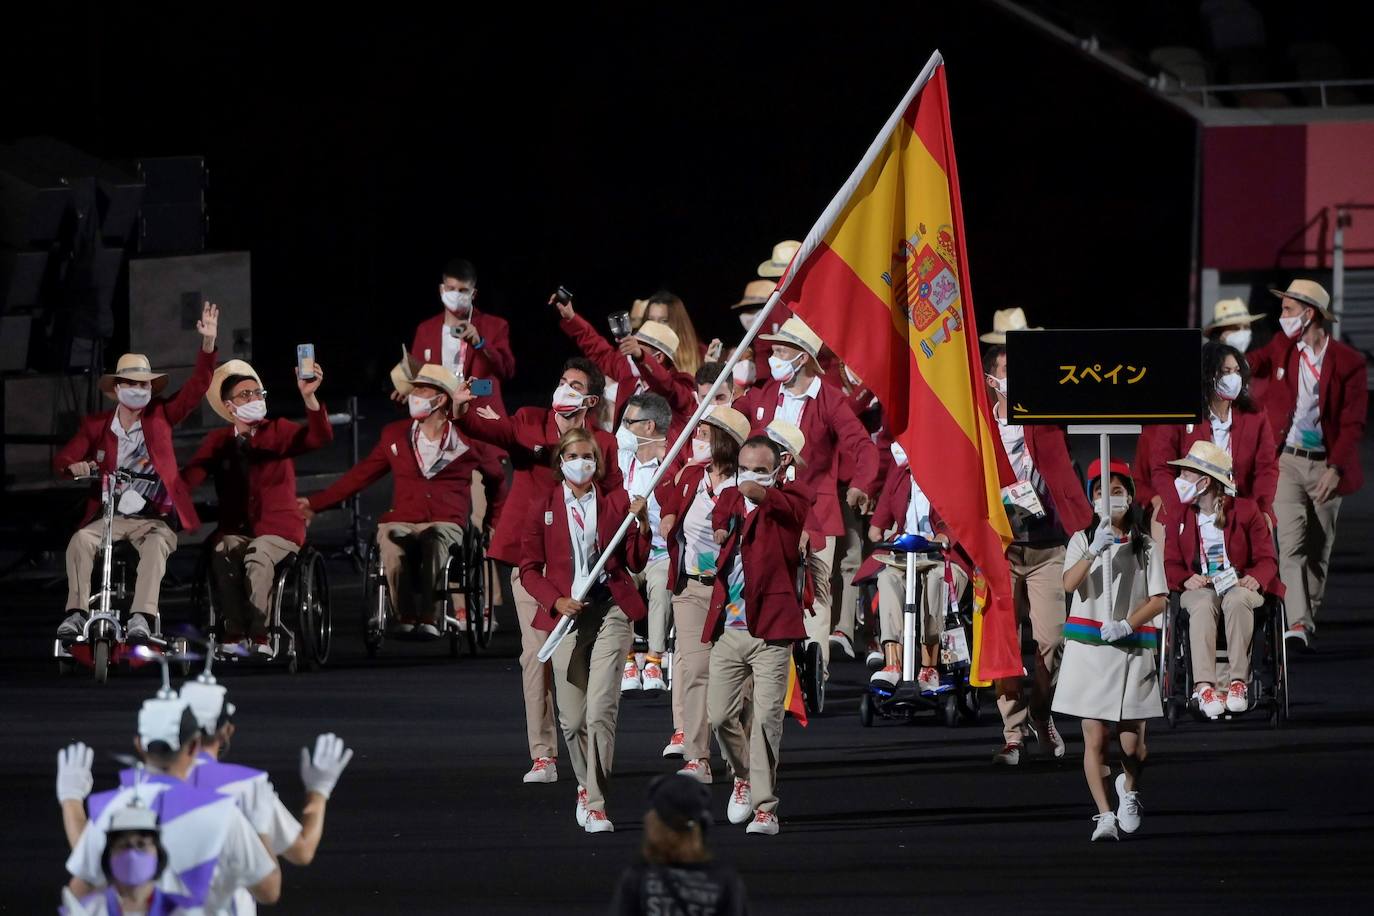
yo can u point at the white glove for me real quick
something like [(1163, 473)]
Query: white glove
[(321, 773), (1102, 540), (1116, 630), (74, 780)]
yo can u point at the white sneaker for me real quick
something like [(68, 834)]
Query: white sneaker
[(1008, 756), (653, 677), (581, 812), (1209, 701), (1297, 632), (630, 679), (928, 680), (1128, 810), (741, 806), (676, 745), (544, 769), (888, 677), (402, 628), (700, 770), (1106, 827), (1236, 698), (874, 659), (765, 822), (842, 642), (598, 822), (427, 630)]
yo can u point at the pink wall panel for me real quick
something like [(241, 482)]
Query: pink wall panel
[(1340, 170), (1253, 194)]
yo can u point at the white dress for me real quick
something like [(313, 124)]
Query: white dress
[(1119, 681)]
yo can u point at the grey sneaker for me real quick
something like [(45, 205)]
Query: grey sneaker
[(1129, 809), (1106, 827), (427, 631), (1008, 756), (137, 629), (72, 626)]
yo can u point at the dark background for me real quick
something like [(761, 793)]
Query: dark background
[(614, 151)]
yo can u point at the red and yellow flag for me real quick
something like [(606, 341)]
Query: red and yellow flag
[(796, 703), (883, 279)]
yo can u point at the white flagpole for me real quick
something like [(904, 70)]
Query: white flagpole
[(580, 589)]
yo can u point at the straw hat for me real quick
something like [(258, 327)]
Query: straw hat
[(222, 372), (1308, 292), (133, 367), (1206, 458), (792, 439), (730, 420), (776, 266), (1004, 320), (1228, 312), (659, 336), (436, 376), (403, 373), (795, 333), (756, 293)]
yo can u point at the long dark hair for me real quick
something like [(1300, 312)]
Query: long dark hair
[(1133, 522), (1214, 354)]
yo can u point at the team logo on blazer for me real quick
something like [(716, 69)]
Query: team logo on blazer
[(393, 449), (99, 455), (548, 518)]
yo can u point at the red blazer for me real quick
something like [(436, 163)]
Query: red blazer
[(831, 429), (493, 359), (1249, 547), (679, 388), (769, 540), (1254, 459), (891, 510), (546, 562), (529, 436), (260, 499), (1342, 397), (1049, 451), (95, 441), (445, 497)]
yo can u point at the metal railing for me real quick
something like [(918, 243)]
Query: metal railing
[(1168, 85)]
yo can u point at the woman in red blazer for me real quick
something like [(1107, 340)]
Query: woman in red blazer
[(755, 617), (565, 531), (1220, 556), (1230, 420)]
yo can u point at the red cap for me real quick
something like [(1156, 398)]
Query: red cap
[(1117, 466)]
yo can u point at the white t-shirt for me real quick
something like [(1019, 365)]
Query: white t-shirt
[(1221, 431), (455, 350), (1306, 431), (582, 530), (700, 551), (918, 513), (133, 457), (735, 611), (792, 406), (638, 475), (1214, 544)]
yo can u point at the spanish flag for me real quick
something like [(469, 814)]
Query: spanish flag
[(883, 279), (796, 703)]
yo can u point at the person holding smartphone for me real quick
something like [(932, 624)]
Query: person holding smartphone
[(251, 462)]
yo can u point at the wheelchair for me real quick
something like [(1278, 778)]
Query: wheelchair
[(300, 626), (956, 700), (1268, 686), (469, 573)]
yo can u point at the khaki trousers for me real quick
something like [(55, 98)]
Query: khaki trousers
[(751, 750), (1307, 532), (152, 538), (821, 562), (1237, 607), (243, 570), (1037, 580), (536, 676), (586, 675), (692, 670), (892, 599), (654, 578), (851, 551), (411, 588)]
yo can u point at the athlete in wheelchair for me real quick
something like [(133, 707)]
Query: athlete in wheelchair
[(426, 553), (260, 586), (1219, 558)]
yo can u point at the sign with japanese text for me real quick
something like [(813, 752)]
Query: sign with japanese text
[(1139, 375)]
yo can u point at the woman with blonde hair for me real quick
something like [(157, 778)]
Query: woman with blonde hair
[(667, 308)]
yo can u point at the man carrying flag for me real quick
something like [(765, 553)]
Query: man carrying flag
[(883, 279)]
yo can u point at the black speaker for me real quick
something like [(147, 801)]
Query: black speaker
[(23, 275), (119, 192), (173, 219), (14, 342), (33, 201), (165, 300)]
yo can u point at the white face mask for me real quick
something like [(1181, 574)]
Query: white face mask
[(763, 480), (253, 412), (747, 319), (898, 455), (701, 451), (783, 370), (1228, 386), (1291, 326), (455, 299), (1187, 490), (578, 471), (744, 373), (134, 398), (1119, 505), (998, 383), (1238, 339), (567, 399), (421, 407)]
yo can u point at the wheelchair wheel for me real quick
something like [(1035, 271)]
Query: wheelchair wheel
[(474, 589), (812, 674), (204, 611), (376, 603), (949, 710), (315, 625), (970, 703), (866, 710), (486, 616), (100, 660)]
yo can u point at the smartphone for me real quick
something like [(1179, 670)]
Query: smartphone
[(620, 325), (305, 361), (481, 387), (564, 296)]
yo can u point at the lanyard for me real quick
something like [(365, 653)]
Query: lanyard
[(1311, 367), (415, 435)]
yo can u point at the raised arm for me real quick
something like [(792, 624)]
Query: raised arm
[(184, 402), (356, 479)]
